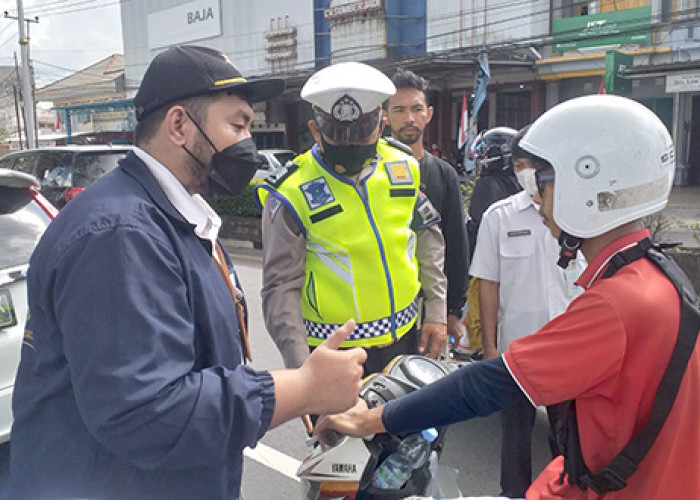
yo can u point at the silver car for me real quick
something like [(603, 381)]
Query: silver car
[(65, 171), (24, 215), (274, 158)]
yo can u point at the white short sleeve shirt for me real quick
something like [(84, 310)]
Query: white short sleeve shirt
[(515, 249)]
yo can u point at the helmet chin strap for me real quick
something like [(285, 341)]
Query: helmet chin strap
[(569, 247)]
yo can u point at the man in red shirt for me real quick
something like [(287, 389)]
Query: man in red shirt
[(603, 163)]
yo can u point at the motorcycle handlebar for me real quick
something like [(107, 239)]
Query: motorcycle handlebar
[(331, 437)]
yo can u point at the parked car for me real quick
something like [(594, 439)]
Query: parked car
[(64, 171), (24, 215), (274, 158)]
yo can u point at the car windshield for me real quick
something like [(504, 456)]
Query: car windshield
[(52, 167), (22, 222), (89, 167)]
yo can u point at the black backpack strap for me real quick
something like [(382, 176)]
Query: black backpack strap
[(427, 167), (621, 259), (614, 476), (570, 447)]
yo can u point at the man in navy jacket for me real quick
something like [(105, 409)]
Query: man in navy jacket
[(133, 382)]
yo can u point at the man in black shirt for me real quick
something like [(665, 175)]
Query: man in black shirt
[(408, 114)]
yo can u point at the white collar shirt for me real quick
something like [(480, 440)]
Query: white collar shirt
[(193, 208), (515, 249)]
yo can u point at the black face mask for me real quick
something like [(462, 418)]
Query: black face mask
[(352, 158), (231, 169)]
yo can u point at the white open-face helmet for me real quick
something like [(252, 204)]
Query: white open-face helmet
[(613, 162), (346, 99)]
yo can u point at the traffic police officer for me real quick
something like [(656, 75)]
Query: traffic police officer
[(347, 233)]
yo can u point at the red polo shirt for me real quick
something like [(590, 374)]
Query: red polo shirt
[(609, 351)]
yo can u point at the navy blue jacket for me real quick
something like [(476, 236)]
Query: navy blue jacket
[(131, 383)]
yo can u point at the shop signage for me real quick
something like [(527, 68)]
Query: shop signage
[(190, 21), (352, 9), (683, 82), (104, 116), (628, 26)]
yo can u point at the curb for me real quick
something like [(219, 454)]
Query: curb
[(242, 249), (237, 244)]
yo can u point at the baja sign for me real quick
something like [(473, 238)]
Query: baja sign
[(200, 15), (188, 22), (352, 9)]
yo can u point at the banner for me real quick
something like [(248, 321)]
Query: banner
[(618, 27), (482, 82)]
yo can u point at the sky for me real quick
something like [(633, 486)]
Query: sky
[(70, 35)]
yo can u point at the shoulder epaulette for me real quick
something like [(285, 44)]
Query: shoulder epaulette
[(278, 175), (399, 145)]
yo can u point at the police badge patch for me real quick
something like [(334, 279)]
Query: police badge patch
[(399, 173), (317, 193), (346, 109), (426, 212)]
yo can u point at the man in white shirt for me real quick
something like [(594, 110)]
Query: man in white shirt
[(521, 289)]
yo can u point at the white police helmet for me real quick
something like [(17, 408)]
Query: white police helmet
[(613, 162), (346, 99)]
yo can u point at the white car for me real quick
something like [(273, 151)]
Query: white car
[(275, 158), (24, 215)]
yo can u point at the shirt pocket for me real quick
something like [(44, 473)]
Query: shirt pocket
[(517, 243)]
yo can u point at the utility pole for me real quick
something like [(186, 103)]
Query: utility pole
[(19, 124), (27, 91), (18, 104)]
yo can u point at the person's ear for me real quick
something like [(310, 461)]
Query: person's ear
[(177, 125), (313, 128), (430, 114)]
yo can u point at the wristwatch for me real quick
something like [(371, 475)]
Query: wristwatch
[(456, 311)]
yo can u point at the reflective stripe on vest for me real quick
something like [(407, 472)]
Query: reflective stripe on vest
[(372, 333)]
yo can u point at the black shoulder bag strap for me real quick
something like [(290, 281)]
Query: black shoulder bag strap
[(614, 476), (426, 168)]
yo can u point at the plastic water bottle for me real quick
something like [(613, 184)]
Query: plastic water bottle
[(411, 454)]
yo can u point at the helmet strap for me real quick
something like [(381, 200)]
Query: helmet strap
[(569, 247)]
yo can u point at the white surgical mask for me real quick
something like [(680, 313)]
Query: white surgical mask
[(526, 178)]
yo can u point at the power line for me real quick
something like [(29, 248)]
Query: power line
[(492, 27), (71, 10), (45, 4), (13, 36)]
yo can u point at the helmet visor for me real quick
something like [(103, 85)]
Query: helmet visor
[(347, 132)]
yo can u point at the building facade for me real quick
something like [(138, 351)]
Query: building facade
[(260, 37), (538, 53)]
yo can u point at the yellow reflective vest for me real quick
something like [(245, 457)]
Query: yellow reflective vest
[(360, 249)]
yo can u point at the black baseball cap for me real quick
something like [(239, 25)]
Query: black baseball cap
[(184, 71)]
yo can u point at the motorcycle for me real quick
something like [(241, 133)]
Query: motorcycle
[(341, 467)]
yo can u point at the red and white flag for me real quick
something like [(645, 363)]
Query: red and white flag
[(463, 131), (601, 88)]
